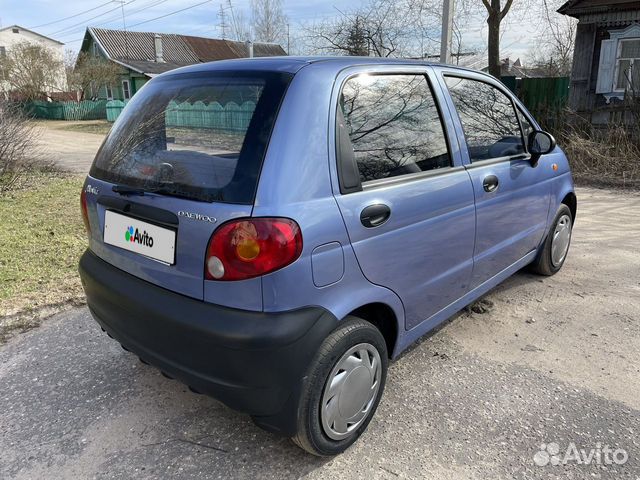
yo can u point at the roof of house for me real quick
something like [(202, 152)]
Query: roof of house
[(2, 29), (578, 7), (136, 50)]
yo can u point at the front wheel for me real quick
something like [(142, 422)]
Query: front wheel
[(344, 385), (556, 246)]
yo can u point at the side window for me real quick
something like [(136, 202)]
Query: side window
[(394, 125), (488, 118)]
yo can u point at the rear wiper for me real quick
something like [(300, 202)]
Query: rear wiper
[(125, 190), (163, 190)]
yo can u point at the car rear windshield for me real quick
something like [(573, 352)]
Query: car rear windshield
[(201, 137)]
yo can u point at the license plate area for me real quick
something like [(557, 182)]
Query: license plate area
[(138, 236)]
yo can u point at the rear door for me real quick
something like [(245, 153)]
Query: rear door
[(512, 196), (406, 200), (183, 157)]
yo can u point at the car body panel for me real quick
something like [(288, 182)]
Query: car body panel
[(511, 220), (446, 243), (186, 276)]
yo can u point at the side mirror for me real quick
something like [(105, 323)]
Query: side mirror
[(540, 143)]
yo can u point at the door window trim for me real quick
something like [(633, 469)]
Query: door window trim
[(372, 184), (509, 95)]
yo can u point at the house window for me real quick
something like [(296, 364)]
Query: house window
[(109, 92), (3, 52), (628, 64), (15, 30), (126, 89)]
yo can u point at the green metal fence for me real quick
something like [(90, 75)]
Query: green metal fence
[(546, 99), (85, 110), (230, 117), (537, 93)]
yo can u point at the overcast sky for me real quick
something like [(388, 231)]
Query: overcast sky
[(204, 20)]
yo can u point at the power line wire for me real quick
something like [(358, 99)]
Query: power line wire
[(169, 14), (87, 20), (156, 18), (115, 18), (72, 16)]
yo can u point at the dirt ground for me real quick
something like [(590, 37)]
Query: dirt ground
[(551, 363), (70, 150)]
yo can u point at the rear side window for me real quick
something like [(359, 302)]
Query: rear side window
[(202, 137), (394, 125), (488, 119)]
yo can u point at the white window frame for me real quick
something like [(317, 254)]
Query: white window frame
[(109, 91), (126, 92), (632, 61)]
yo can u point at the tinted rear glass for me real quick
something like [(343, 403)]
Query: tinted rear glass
[(197, 136)]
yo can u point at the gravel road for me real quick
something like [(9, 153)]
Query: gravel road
[(551, 364)]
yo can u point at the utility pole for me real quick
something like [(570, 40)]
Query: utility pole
[(124, 26), (288, 40), (447, 28)]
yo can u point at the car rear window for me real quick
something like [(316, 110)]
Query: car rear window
[(201, 136)]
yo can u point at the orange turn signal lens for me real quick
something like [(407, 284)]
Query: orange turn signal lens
[(248, 249)]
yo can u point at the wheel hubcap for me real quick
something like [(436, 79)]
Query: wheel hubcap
[(560, 241), (350, 391)]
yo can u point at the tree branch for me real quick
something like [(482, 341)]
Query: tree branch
[(506, 8)]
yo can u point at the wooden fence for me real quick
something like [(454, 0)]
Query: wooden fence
[(85, 110), (230, 117)]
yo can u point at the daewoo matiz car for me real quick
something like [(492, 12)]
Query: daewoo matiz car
[(272, 232)]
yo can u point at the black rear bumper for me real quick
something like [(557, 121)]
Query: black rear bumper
[(253, 362)]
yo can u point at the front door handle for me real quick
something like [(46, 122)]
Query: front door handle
[(375, 215), (490, 183)]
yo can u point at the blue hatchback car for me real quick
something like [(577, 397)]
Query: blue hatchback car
[(272, 232)]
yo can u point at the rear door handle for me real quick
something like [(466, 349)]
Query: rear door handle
[(490, 183), (375, 215)]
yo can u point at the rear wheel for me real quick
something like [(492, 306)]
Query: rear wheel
[(556, 246), (343, 388)]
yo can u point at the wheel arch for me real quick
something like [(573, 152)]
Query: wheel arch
[(384, 319), (571, 201)]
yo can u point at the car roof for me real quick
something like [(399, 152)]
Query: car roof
[(292, 65)]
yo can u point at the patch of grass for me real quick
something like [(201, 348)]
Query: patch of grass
[(41, 239), (99, 127)]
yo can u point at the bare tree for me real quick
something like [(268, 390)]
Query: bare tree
[(269, 21), (238, 23), (90, 73), (553, 50), (381, 28), (496, 13), (30, 70), (18, 145)]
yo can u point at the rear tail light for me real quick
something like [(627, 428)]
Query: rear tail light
[(251, 247), (85, 212)]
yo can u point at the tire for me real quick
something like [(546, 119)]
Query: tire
[(545, 263), (314, 424)]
